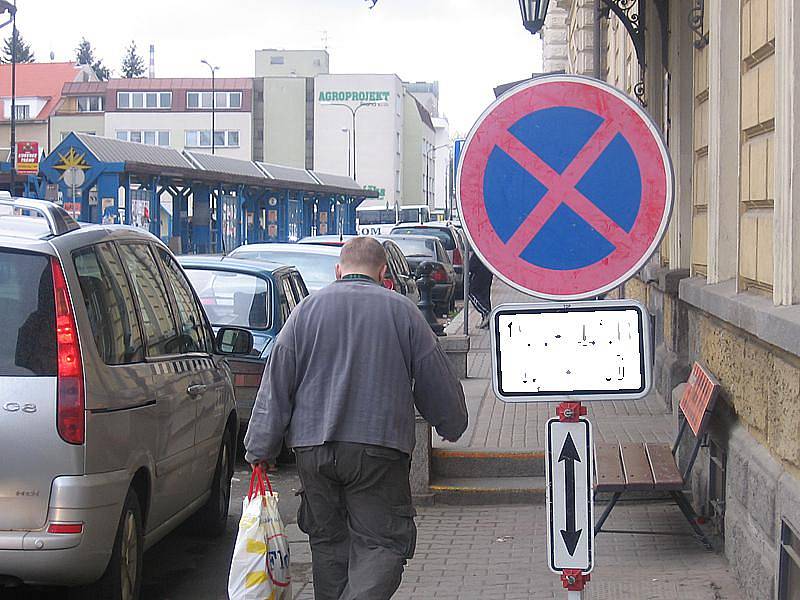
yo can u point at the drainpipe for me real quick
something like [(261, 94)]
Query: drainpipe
[(597, 34)]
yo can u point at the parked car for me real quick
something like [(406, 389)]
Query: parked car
[(255, 295), (317, 264), (451, 240), (399, 276), (117, 413), (418, 249)]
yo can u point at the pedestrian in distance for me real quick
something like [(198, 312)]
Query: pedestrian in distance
[(346, 372), (480, 288)]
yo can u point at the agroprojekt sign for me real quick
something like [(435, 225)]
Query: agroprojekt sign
[(355, 96)]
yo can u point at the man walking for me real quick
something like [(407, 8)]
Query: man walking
[(341, 384), (480, 288)]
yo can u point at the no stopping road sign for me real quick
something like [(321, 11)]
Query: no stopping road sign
[(565, 187)]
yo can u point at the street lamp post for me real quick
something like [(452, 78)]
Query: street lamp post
[(349, 150), (353, 112), (213, 103)]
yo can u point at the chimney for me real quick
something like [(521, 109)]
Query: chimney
[(152, 72)]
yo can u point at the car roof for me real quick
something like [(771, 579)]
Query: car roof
[(322, 239), (286, 247), (233, 264)]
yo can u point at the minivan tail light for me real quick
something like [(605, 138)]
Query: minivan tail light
[(70, 403), (65, 528), (458, 260)]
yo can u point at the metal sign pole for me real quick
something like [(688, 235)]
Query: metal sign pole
[(465, 270), (574, 580)]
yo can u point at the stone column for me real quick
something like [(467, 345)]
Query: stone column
[(723, 143)]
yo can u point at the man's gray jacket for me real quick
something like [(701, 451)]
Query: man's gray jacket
[(349, 365)]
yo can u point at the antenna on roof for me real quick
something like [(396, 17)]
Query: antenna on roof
[(325, 40), (52, 56)]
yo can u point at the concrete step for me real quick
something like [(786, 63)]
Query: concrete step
[(449, 463), (465, 491)]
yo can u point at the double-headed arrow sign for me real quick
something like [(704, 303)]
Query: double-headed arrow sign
[(569, 495)]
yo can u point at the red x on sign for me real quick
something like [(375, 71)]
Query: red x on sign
[(565, 187)]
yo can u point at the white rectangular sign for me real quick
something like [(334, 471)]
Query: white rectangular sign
[(570, 523), (593, 350)]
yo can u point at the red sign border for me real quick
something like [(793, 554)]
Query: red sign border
[(504, 112)]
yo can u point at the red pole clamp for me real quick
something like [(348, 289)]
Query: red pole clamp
[(574, 580), (570, 412)]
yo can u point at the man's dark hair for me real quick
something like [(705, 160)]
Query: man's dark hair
[(364, 252)]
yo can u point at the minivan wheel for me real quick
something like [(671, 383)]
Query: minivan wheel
[(213, 515), (123, 577)]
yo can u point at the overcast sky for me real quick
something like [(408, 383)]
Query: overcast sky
[(468, 45)]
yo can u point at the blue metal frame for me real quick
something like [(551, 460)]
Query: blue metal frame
[(294, 209)]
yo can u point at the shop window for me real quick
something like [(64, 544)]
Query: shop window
[(276, 60), (789, 569)]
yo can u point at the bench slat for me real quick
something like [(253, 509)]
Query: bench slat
[(637, 467), (666, 475), (608, 468)]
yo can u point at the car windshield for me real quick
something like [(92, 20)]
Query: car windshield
[(412, 248), (442, 234), (318, 270), (28, 343), (234, 299)]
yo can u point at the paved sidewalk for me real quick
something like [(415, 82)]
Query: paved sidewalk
[(499, 552), (495, 425)]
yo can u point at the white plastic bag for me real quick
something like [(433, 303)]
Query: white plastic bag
[(260, 564)]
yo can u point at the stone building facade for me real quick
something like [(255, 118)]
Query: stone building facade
[(720, 78)]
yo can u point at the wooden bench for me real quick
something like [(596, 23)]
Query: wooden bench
[(621, 468)]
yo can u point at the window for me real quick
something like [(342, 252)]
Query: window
[(90, 103), (23, 112), (789, 568), (151, 295), (150, 100), (194, 337), (109, 305), (234, 299), (202, 138), (276, 60), (153, 138), (28, 318), (224, 100)]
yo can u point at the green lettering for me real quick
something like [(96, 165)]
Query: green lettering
[(322, 96)]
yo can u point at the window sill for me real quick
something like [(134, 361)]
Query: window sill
[(757, 315)]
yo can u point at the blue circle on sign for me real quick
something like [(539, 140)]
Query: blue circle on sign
[(612, 183)]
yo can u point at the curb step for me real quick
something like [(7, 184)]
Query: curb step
[(447, 463), (464, 491)]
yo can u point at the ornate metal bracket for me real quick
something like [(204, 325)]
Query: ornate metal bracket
[(631, 15), (696, 17)]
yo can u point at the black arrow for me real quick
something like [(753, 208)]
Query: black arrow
[(569, 454)]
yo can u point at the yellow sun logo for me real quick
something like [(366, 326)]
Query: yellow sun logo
[(72, 160)]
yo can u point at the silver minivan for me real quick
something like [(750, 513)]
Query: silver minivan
[(117, 414)]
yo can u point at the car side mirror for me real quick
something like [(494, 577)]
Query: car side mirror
[(234, 340)]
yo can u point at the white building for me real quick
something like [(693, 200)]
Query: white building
[(373, 106)]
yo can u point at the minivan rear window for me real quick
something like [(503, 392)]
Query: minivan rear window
[(27, 318)]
